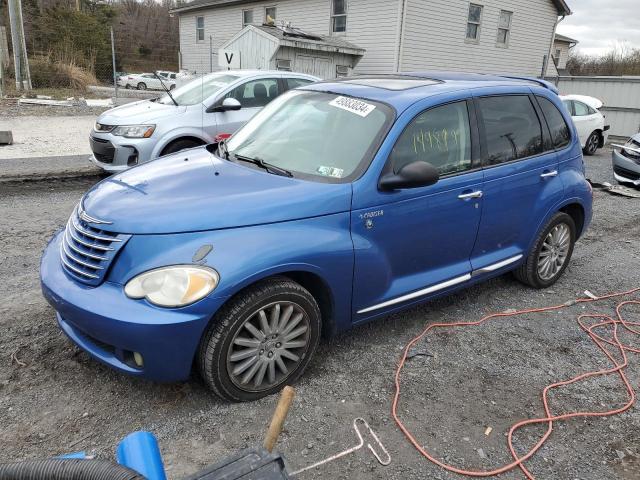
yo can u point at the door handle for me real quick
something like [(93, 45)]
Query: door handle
[(467, 196), (552, 173)]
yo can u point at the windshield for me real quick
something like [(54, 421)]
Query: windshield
[(199, 90), (315, 134)]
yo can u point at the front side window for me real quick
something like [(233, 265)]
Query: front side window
[(512, 128), (474, 20), (504, 27), (247, 17), (338, 16), (316, 135), (560, 133), (440, 136), (200, 29), (256, 93), (270, 14)]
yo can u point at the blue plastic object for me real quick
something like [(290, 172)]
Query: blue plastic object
[(140, 452), (81, 455)]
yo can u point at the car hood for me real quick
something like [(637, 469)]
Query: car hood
[(195, 191), (143, 111)]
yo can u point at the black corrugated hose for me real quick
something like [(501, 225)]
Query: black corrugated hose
[(67, 469)]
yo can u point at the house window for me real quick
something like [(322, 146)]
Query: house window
[(342, 71), (283, 65), (199, 29), (269, 14), (504, 27), (247, 17), (338, 16), (473, 22)]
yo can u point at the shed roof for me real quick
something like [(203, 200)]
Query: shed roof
[(296, 38), (561, 5)]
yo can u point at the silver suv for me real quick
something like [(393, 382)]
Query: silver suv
[(192, 115)]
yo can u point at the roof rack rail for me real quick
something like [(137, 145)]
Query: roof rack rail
[(539, 81)]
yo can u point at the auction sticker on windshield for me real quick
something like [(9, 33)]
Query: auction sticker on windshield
[(330, 171), (353, 105)]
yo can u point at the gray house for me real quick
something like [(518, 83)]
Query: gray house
[(513, 36)]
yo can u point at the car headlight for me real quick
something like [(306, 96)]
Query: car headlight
[(134, 131), (174, 286)]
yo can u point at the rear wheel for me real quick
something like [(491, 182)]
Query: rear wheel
[(142, 86), (550, 253), (260, 341), (592, 144)]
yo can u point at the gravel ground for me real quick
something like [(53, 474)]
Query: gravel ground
[(55, 399), (11, 108)]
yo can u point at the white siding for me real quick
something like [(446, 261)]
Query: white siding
[(256, 49), (435, 36), (564, 53), (372, 25)]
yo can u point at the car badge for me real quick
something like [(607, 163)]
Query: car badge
[(89, 219)]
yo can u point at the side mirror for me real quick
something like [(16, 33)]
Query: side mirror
[(413, 175), (227, 105)]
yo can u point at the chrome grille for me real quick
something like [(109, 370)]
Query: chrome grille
[(86, 252)]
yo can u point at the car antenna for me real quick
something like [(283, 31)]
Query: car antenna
[(166, 89)]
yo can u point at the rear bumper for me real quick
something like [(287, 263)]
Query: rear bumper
[(110, 327)]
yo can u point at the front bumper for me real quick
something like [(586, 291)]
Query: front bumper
[(110, 327), (625, 170), (115, 154)]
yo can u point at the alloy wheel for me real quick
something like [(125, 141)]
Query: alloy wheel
[(269, 346), (592, 143), (554, 251)]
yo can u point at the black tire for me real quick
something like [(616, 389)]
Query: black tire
[(141, 86), (127, 86), (528, 273), (172, 87), (218, 343), (178, 145), (592, 144)]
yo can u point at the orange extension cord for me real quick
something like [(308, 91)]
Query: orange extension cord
[(604, 321)]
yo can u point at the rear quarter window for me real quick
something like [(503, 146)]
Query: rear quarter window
[(560, 132)]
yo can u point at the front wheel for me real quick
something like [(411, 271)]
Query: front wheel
[(262, 340), (592, 144), (550, 253)]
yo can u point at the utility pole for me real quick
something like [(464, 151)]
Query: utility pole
[(210, 53), (21, 64), (113, 63)]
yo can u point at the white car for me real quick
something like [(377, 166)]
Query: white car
[(145, 81), (588, 120)]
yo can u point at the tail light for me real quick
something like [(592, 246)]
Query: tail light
[(221, 136)]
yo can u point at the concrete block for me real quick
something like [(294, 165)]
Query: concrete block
[(6, 138)]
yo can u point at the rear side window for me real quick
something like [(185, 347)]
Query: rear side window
[(440, 136), (512, 128), (296, 82), (581, 109), (560, 133)]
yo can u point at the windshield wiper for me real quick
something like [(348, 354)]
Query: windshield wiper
[(267, 166), (166, 89)]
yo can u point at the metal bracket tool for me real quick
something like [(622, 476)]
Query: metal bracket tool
[(384, 462)]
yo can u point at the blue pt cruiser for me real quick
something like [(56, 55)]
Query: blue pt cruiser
[(338, 203)]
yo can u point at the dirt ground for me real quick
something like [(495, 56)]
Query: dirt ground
[(55, 399)]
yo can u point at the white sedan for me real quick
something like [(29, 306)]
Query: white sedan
[(588, 120), (145, 81)]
